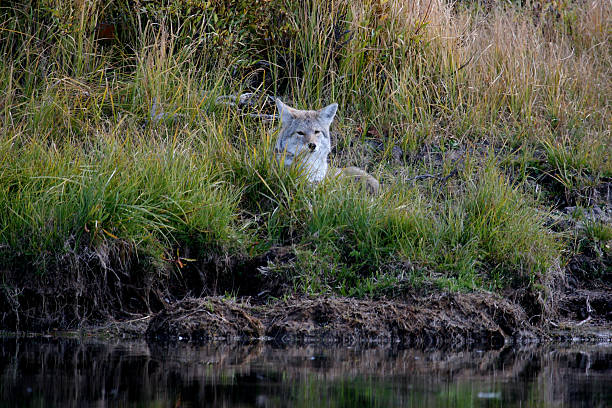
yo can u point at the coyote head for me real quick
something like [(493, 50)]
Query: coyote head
[(304, 135)]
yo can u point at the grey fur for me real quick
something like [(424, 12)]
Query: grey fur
[(305, 134)]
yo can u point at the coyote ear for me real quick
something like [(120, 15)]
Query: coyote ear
[(327, 113), (284, 111)]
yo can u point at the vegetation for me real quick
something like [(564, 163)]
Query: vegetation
[(478, 119)]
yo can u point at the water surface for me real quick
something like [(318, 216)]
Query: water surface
[(60, 372)]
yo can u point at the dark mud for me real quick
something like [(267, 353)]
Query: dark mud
[(448, 320), (575, 310), (187, 307)]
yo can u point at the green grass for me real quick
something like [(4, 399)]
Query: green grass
[(493, 99), (147, 193)]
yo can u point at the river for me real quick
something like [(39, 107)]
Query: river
[(69, 372)]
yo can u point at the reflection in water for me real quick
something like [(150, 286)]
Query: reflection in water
[(70, 372)]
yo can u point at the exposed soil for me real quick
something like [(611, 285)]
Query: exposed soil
[(448, 320), (187, 307), (574, 310)]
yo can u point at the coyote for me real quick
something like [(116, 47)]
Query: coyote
[(305, 134)]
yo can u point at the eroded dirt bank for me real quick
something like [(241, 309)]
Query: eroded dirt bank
[(434, 320), (127, 305), (449, 320), (456, 320)]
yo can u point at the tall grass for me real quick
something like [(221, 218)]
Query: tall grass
[(86, 162), (150, 194)]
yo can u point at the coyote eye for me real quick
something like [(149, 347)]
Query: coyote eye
[(317, 132), (300, 133)]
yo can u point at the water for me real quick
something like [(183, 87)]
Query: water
[(52, 372)]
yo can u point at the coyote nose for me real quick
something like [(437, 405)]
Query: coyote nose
[(312, 146)]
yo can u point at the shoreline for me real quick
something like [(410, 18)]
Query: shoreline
[(442, 321)]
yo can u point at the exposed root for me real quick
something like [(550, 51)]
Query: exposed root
[(449, 320)]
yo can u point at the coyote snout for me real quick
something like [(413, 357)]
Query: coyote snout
[(310, 139)]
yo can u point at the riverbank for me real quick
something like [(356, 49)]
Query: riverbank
[(450, 321), (132, 186), (576, 311), (443, 321)]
